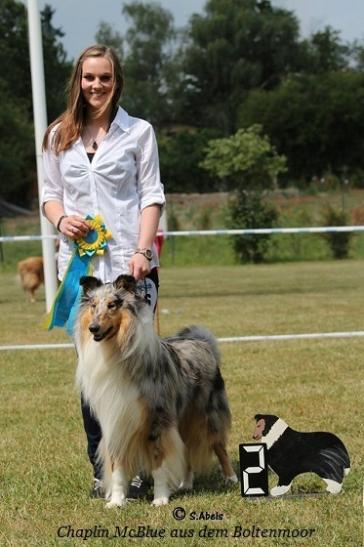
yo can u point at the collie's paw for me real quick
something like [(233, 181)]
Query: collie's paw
[(157, 502), (279, 490), (116, 502), (230, 481), (333, 487)]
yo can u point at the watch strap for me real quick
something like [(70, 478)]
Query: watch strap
[(147, 253)]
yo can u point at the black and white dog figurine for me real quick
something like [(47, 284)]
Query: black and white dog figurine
[(291, 453)]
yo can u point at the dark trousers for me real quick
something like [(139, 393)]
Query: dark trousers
[(93, 434), (90, 423)]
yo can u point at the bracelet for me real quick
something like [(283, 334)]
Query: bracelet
[(59, 222)]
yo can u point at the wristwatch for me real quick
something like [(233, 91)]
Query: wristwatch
[(145, 252)]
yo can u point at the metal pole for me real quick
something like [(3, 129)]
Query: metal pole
[(40, 125)]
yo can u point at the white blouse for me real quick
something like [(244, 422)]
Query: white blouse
[(122, 179)]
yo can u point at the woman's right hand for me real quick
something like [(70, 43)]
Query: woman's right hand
[(73, 226)]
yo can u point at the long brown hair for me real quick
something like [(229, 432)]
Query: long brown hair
[(72, 120)]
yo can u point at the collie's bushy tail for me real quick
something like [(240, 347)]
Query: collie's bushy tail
[(195, 332)]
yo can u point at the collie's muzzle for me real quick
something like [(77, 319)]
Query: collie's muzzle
[(94, 328)]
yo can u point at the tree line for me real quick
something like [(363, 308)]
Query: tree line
[(237, 64)]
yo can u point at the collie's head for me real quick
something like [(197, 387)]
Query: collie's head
[(263, 425), (110, 309)]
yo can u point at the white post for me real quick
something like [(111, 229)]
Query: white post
[(40, 125)]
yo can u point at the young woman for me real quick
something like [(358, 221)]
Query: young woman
[(99, 160)]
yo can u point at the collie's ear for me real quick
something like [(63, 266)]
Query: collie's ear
[(126, 282), (89, 283)]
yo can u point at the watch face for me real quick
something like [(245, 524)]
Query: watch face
[(148, 254)]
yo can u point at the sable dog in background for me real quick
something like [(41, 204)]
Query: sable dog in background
[(31, 273), (31, 276), (161, 403)]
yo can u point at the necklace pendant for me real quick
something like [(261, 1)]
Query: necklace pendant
[(94, 146)]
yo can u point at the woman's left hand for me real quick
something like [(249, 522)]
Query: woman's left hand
[(139, 266)]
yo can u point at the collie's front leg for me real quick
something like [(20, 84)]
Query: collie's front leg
[(168, 453), (161, 488), (118, 488)]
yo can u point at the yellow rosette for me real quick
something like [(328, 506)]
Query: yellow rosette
[(95, 242)]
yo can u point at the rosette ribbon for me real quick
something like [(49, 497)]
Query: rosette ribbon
[(65, 305)]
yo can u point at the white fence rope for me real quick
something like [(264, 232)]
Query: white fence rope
[(249, 231), (263, 338), (261, 231), (279, 337)]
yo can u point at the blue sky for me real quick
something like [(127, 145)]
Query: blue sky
[(79, 19)]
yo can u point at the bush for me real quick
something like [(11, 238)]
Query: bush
[(249, 210), (339, 242)]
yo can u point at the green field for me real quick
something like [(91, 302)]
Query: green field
[(312, 384)]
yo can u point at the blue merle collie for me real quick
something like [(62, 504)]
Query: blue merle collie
[(291, 453), (161, 403)]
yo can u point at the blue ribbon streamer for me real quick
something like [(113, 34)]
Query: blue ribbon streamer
[(67, 299)]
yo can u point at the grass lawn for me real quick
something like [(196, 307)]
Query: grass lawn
[(311, 384)]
